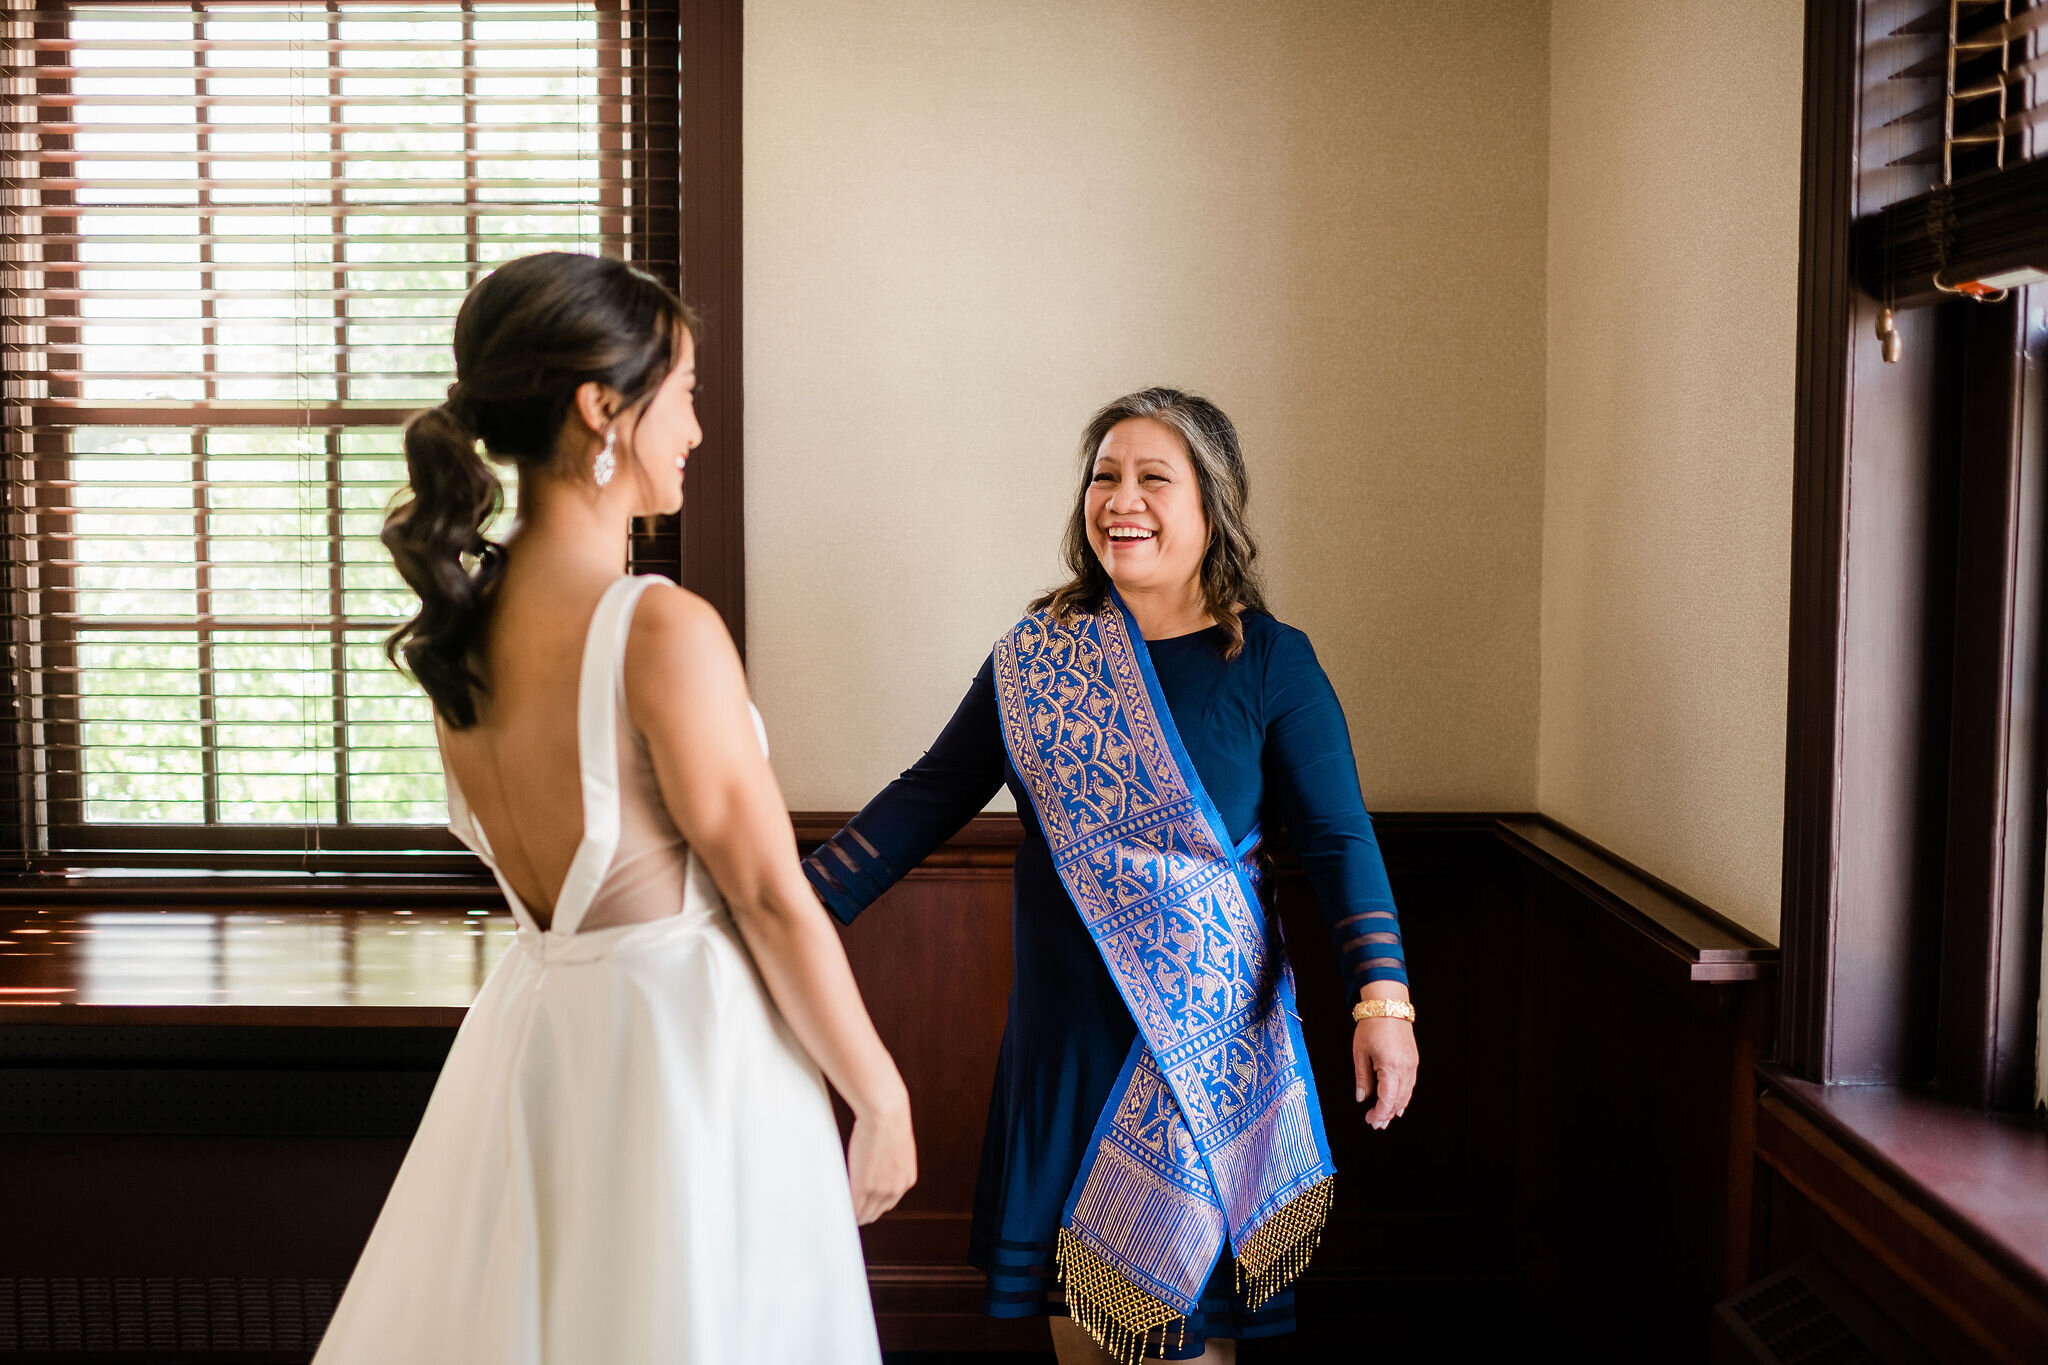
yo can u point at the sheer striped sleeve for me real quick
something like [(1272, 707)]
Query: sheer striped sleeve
[(917, 812), (1309, 766)]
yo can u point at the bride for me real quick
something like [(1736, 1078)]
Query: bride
[(630, 1155)]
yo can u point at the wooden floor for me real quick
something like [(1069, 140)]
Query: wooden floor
[(227, 966)]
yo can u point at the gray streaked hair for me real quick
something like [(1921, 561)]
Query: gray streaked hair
[(1230, 586)]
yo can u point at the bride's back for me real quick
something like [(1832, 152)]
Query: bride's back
[(577, 371), (522, 771), (519, 765)]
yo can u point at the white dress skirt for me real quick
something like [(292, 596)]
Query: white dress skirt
[(627, 1158)]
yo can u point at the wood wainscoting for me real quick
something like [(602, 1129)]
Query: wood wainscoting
[(1578, 1152), (1574, 1170)]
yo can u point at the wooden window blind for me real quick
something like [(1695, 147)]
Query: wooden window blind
[(1953, 187), (236, 234), (1982, 90)]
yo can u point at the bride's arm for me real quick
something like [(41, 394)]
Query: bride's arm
[(687, 694)]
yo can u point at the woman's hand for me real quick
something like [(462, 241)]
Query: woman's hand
[(1383, 1058), (687, 694), (881, 1159)]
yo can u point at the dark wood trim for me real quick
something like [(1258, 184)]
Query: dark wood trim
[(1991, 921), (657, 132), (1706, 945), (1701, 943), (256, 843), (16, 826), (712, 550), (1875, 1161), (1819, 513), (704, 548)]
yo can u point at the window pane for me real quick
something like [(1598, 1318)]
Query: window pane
[(267, 523), (138, 713), (394, 773), (274, 722), (134, 549)]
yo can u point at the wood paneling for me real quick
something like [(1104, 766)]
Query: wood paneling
[(191, 1206), (1587, 1040), (1632, 1132), (1583, 1087), (933, 960)]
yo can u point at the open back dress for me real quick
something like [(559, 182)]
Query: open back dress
[(628, 1157)]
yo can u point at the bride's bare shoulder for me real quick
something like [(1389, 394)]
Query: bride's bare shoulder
[(668, 611), (676, 638)]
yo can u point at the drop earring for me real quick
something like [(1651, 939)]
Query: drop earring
[(601, 469)]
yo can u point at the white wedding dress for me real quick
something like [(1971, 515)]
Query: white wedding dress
[(627, 1158)]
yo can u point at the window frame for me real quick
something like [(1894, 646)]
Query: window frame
[(695, 248), (1914, 815)]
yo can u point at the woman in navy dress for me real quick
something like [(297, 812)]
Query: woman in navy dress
[(1160, 515)]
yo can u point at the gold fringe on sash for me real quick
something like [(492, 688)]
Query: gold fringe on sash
[(1280, 1249), (1122, 1317), (1119, 1315)]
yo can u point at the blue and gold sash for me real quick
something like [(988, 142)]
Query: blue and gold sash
[(1213, 1132)]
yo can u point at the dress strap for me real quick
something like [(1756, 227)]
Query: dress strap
[(599, 696)]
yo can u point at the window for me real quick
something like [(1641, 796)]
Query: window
[(237, 234), (1916, 787)]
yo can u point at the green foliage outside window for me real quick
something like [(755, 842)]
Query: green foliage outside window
[(248, 554)]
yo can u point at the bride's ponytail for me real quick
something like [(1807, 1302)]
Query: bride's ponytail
[(527, 337), (436, 538)]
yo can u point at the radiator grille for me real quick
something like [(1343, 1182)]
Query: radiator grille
[(1807, 1315), (187, 1319), (1799, 1327)]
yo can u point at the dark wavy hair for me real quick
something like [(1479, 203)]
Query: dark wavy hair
[(1230, 586), (528, 336)]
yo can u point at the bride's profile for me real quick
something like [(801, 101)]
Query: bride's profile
[(630, 1154)]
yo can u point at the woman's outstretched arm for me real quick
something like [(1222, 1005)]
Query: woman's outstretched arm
[(912, 816), (687, 694)]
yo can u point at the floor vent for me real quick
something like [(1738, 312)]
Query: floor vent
[(1807, 1315), (190, 1321)]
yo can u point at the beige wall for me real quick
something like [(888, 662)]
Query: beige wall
[(1508, 333), (969, 224), (1674, 211)]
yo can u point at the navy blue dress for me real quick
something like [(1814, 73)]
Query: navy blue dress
[(1267, 737)]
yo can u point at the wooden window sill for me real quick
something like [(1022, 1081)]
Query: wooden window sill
[(1936, 1168)]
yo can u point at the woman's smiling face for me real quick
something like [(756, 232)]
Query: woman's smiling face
[(1144, 508), (664, 436)]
